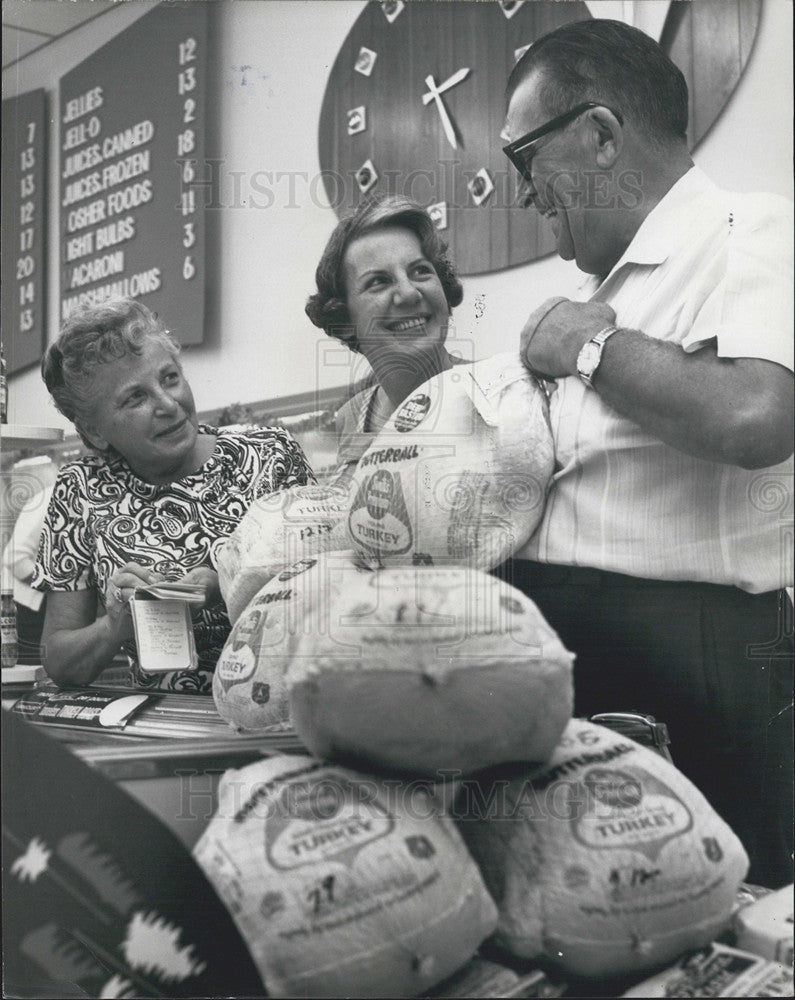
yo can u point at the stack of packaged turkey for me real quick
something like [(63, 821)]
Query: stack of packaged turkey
[(342, 870), (457, 477), (404, 667)]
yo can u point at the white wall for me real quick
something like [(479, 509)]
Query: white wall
[(261, 260)]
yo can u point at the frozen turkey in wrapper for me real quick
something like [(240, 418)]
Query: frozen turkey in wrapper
[(429, 668), (342, 884), (277, 530), (249, 682), (765, 927), (606, 861), (460, 471)]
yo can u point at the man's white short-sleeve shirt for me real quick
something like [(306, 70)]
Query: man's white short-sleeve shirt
[(706, 266)]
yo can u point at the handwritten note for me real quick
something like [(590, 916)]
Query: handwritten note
[(164, 635)]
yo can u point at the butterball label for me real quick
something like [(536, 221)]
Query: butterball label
[(378, 519), (236, 668), (387, 456), (321, 819), (380, 494), (412, 413), (626, 808), (248, 629)]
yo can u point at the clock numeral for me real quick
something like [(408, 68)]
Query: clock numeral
[(357, 119), (392, 9), (438, 214), (366, 176), (365, 61), (481, 186), (510, 7)]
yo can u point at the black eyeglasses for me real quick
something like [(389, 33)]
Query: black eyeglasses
[(520, 151)]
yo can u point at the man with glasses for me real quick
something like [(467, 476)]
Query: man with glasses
[(666, 543)]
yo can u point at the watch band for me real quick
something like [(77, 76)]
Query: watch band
[(590, 356)]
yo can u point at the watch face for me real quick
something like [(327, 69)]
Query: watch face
[(588, 359), (415, 104)]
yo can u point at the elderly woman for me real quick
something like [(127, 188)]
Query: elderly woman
[(156, 495), (386, 289)]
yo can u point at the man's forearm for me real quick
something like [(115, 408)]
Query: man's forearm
[(731, 410)]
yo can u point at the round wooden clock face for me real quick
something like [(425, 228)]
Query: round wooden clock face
[(379, 130), (415, 104)]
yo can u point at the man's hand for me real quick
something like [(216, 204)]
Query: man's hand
[(556, 332)]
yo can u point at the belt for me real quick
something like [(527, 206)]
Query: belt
[(552, 575)]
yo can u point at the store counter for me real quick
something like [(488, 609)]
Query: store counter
[(77, 820)]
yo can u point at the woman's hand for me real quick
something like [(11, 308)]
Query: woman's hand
[(204, 576), (121, 587)]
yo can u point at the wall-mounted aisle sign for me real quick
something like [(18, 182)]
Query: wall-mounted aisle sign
[(23, 217), (132, 120)]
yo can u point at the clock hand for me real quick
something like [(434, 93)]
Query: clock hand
[(451, 81), (447, 125)]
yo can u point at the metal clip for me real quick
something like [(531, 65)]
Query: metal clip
[(644, 729)]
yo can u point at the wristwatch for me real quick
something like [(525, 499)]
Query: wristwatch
[(590, 356)]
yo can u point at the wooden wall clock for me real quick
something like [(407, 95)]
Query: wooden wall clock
[(415, 103)]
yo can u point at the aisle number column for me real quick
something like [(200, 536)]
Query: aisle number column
[(23, 263), (133, 142), (26, 265), (186, 144)]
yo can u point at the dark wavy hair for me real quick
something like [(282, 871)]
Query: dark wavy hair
[(328, 307), (610, 62), (90, 337)]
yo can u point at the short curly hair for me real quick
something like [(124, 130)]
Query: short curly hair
[(90, 337), (328, 308)]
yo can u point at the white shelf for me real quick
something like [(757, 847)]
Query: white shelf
[(23, 674), (28, 435)]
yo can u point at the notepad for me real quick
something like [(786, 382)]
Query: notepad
[(163, 626), (165, 591)]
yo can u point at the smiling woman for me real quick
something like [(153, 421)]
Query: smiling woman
[(153, 499), (386, 288)]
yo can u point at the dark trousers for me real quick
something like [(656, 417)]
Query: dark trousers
[(712, 662)]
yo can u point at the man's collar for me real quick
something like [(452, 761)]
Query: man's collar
[(661, 232)]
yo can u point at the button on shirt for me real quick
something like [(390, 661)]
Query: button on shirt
[(706, 266)]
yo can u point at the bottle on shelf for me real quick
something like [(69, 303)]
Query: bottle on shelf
[(8, 628), (3, 387)]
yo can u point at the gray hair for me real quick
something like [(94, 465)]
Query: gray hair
[(91, 337), (608, 61)]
